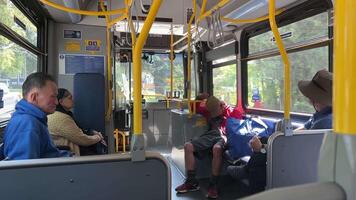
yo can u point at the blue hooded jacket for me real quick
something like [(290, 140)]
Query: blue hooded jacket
[(26, 135)]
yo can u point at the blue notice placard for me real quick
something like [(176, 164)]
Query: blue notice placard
[(84, 64)]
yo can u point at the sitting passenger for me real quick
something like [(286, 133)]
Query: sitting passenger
[(26, 135), (63, 128), (319, 92), (214, 139)]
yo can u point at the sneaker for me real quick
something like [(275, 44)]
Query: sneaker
[(212, 192), (187, 187), (237, 172)]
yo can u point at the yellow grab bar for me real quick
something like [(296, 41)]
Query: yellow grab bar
[(171, 55), (273, 24), (137, 67), (221, 4), (83, 12), (189, 49), (344, 83)]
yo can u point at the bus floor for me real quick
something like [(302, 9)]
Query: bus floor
[(228, 188)]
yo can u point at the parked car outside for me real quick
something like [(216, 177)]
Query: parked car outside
[(10, 99)]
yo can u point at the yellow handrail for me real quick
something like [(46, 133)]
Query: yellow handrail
[(221, 4), (189, 49), (344, 83), (118, 19), (83, 12), (258, 19), (109, 82), (203, 7), (137, 70), (171, 55), (284, 55), (159, 95)]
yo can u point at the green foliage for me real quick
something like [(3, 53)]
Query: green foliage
[(224, 81), (267, 74), (14, 60)]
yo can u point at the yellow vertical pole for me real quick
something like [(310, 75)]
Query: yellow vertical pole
[(171, 59), (203, 7), (137, 68), (189, 50), (108, 55), (344, 93), (285, 59)]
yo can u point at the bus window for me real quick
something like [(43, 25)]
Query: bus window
[(156, 74), (301, 31), (178, 77), (265, 79), (266, 74), (12, 17), (224, 83), (15, 64), (193, 80), (122, 86)]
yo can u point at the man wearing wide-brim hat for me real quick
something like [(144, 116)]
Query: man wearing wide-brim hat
[(319, 92)]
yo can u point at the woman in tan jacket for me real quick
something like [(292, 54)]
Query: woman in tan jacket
[(63, 128)]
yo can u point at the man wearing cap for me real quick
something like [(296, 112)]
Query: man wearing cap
[(216, 113), (319, 93)]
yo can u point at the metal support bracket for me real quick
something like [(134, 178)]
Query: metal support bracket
[(287, 127), (138, 148)]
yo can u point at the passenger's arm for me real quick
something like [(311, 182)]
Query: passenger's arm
[(73, 133), (25, 144)]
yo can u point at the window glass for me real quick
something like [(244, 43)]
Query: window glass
[(193, 79), (224, 83), (15, 64), (12, 17), (122, 78), (304, 30), (265, 79), (178, 76), (155, 78)]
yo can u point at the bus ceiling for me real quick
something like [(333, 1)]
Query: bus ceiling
[(234, 9), (65, 17)]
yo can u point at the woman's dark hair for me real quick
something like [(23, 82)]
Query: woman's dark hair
[(62, 93)]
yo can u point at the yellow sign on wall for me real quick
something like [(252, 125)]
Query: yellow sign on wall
[(72, 46), (92, 45)]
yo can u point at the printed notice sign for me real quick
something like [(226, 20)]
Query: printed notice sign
[(72, 64), (92, 45)]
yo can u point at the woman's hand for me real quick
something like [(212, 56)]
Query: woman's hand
[(98, 134)]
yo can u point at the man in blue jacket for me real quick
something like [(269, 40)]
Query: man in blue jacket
[(26, 135)]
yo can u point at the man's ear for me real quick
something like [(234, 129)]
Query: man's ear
[(32, 96)]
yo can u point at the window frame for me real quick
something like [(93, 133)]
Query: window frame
[(309, 9), (36, 14)]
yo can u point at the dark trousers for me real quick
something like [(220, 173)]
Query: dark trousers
[(256, 170)]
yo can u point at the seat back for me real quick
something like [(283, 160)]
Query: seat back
[(108, 177), (293, 160), (89, 95)]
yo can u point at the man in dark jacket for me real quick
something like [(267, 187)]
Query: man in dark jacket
[(26, 135), (319, 93)]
